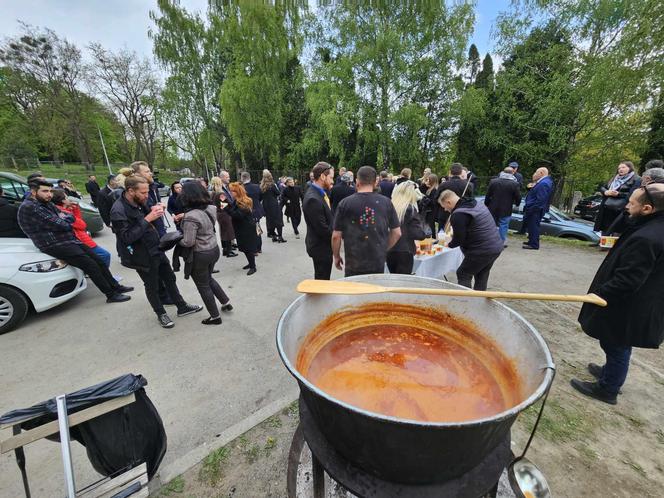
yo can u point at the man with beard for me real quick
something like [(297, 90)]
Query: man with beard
[(138, 246), (631, 280), (318, 217), (51, 232)]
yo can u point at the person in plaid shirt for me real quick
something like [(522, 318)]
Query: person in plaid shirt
[(51, 231)]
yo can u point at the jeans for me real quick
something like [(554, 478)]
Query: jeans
[(400, 262), (208, 287), (160, 270), (477, 266), (503, 225), (615, 369), (322, 267), (81, 256), (103, 254)]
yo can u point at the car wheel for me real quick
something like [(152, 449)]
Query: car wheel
[(13, 309)]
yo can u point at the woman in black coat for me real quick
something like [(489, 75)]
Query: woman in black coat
[(270, 195), (401, 256), (429, 203), (631, 280), (291, 197), (615, 195), (244, 224)]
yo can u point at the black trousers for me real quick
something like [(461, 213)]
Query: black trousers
[(81, 256), (400, 262), (322, 267), (160, 269), (251, 259), (295, 221), (478, 267), (208, 287), (352, 273)]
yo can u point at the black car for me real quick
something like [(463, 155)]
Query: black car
[(588, 207)]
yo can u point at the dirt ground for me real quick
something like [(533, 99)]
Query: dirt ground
[(584, 447)]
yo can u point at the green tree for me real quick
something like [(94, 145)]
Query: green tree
[(473, 63), (655, 140)]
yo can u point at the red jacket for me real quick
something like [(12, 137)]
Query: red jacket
[(79, 227)]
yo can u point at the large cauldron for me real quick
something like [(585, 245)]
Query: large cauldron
[(410, 451)]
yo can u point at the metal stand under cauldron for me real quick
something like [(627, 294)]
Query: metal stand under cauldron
[(481, 481)]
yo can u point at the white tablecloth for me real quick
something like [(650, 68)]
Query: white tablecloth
[(438, 265)]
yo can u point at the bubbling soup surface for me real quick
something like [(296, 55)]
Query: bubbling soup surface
[(409, 362)]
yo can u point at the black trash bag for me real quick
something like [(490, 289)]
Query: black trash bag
[(115, 441)]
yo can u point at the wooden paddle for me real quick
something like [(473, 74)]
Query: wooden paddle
[(353, 288)]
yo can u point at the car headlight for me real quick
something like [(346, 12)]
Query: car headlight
[(44, 266)]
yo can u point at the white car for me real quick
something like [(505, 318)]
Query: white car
[(30, 278)]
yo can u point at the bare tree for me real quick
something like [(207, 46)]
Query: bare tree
[(129, 86)]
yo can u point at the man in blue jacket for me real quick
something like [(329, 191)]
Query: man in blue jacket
[(536, 206)]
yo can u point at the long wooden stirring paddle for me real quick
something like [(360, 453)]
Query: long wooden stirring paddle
[(352, 288)]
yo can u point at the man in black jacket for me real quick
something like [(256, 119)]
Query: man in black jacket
[(51, 232), (475, 233), (341, 190), (461, 187), (503, 193), (317, 212), (92, 188), (138, 246), (105, 200), (631, 280), (9, 226), (385, 185), (254, 193)]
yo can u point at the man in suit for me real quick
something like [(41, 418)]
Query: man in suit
[(502, 193), (386, 186), (93, 188), (254, 193), (536, 206), (341, 190), (105, 200), (318, 217)]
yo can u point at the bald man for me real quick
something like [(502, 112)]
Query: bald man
[(630, 279), (537, 205)]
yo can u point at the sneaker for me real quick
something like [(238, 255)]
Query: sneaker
[(165, 321), (595, 370), (227, 307), (251, 271), (123, 288), (595, 391), (117, 298), (211, 321), (189, 309)]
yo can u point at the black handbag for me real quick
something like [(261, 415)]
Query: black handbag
[(614, 203), (169, 240)]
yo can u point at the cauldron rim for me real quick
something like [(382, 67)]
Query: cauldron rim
[(505, 414)]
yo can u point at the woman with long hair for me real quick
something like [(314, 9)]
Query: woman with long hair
[(400, 256), (226, 233), (243, 223), (292, 196), (198, 233), (270, 195), (429, 203), (615, 194)]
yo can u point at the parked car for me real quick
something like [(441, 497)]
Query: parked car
[(30, 279), (555, 224), (588, 207), (15, 186)]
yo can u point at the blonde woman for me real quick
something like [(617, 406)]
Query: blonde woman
[(270, 195), (404, 199), (226, 232)]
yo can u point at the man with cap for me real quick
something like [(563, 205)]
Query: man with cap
[(519, 177)]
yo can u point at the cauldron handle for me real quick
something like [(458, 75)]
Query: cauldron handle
[(539, 415)]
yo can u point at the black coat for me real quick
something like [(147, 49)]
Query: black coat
[(608, 213), (270, 201), (631, 280), (411, 230), (339, 193), (501, 195), (93, 190), (457, 185), (244, 227), (291, 197), (9, 226), (105, 201), (254, 193), (386, 187), (318, 217), (137, 239)]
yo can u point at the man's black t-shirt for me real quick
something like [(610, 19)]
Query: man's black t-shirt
[(365, 220)]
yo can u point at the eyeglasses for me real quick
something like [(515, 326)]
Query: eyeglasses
[(649, 198)]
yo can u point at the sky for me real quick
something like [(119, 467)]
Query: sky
[(118, 24)]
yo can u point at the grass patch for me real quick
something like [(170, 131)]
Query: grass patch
[(211, 470), (252, 454), (175, 486), (558, 423), (556, 240), (587, 453), (639, 470), (274, 422), (270, 444), (293, 410)]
